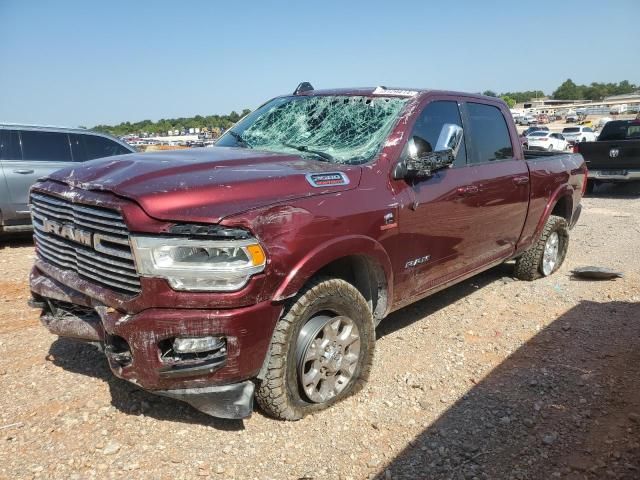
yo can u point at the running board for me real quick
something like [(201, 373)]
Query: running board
[(16, 228)]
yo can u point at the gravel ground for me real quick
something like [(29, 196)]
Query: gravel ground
[(492, 378)]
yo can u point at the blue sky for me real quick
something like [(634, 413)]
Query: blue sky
[(84, 63)]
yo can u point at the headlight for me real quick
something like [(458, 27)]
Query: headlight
[(204, 265)]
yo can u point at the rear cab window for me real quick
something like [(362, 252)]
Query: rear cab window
[(621, 130), (45, 146), (490, 133)]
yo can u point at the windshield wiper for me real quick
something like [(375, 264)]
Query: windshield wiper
[(239, 139), (304, 148)]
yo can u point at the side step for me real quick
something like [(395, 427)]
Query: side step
[(16, 228)]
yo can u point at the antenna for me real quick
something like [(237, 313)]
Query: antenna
[(303, 87)]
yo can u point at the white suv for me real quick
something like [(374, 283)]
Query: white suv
[(541, 140), (579, 134)]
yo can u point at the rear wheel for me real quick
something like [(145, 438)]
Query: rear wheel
[(591, 185), (321, 352), (546, 255)]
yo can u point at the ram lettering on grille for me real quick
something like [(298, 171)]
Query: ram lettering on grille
[(92, 241)]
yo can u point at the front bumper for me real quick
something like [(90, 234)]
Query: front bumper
[(619, 175), (133, 344)]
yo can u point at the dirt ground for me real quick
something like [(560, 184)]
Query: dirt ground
[(490, 379)]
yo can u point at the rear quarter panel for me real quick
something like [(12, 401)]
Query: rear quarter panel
[(553, 178)]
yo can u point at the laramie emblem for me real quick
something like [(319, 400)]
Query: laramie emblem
[(67, 231), (331, 179), (614, 152)]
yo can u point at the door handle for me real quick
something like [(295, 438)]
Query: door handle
[(521, 180), (467, 190), (23, 171)]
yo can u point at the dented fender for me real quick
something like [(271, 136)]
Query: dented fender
[(322, 255)]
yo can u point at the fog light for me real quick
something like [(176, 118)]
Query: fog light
[(197, 344)]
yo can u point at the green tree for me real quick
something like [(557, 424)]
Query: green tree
[(489, 93), (508, 100), (521, 97), (569, 91)]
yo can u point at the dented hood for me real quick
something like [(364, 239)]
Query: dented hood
[(206, 184)]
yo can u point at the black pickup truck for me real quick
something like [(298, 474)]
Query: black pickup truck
[(615, 157)]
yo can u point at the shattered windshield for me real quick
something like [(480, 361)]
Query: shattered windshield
[(338, 129)]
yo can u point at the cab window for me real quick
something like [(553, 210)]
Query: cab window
[(490, 133), (429, 125), (10, 145), (97, 147), (45, 146)]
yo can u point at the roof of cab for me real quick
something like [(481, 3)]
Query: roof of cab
[(394, 92), (48, 128)]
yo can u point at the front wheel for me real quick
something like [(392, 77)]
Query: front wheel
[(321, 352), (546, 255)]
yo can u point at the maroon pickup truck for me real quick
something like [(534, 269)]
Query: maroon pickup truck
[(261, 267)]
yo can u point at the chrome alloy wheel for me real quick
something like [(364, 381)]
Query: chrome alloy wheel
[(327, 354), (550, 255)]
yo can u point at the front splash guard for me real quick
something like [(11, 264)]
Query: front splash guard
[(226, 401)]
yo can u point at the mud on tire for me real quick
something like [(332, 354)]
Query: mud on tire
[(280, 394), (529, 265)]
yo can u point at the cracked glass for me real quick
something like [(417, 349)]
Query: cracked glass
[(340, 129)]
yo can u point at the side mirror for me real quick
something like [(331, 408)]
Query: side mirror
[(421, 161)]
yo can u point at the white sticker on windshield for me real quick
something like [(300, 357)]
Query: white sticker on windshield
[(387, 91)]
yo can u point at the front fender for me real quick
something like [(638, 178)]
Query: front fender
[(325, 253)]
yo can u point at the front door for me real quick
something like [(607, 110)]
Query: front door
[(437, 213)]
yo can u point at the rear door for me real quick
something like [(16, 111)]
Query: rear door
[(43, 152), (500, 185)]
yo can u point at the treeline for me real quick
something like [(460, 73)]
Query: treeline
[(162, 126), (595, 91), (569, 91)]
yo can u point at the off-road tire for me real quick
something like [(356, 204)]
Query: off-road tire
[(529, 264), (590, 187), (279, 393)]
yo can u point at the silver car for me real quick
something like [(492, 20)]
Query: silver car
[(30, 152)]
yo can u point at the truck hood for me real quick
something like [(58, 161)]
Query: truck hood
[(206, 184)]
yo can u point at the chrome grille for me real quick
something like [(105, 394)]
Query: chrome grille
[(106, 261)]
